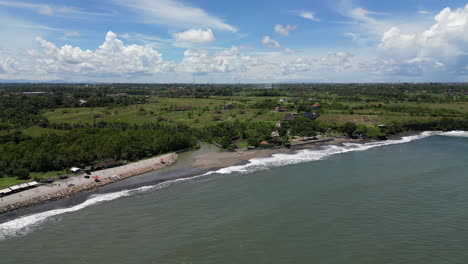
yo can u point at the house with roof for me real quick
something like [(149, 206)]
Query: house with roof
[(279, 109), (316, 106)]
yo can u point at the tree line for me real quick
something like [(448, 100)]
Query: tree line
[(53, 152)]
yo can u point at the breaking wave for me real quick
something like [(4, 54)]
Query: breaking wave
[(24, 225), (455, 134), (278, 160)]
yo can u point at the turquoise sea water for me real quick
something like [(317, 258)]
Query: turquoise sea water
[(374, 203)]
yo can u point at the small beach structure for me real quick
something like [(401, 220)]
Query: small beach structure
[(23, 186), (75, 169), (18, 188), (4, 192), (15, 188), (33, 183)]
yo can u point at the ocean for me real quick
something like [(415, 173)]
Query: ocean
[(396, 201)]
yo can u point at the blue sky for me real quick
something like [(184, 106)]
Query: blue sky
[(234, 41)]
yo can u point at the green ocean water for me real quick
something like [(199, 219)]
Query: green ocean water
[(399, 203)]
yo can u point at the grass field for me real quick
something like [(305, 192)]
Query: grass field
[(9, 181), (205, 111)]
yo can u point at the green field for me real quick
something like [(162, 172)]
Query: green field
[(202, 112), (205, 111), (9, 181)]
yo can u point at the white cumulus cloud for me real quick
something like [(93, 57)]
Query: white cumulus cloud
[(224, 61), (270, 43), (112, 57), (444, 43), (297, 65), (195, 36), (9, 65), (284, 30), (308, 15)]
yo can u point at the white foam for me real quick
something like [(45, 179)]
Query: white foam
[(26, 224), (302, 156), (455, 134)]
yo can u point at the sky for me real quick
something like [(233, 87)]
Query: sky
[(254, 41)]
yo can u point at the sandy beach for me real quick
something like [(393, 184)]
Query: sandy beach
[(204, 161), (78, 184), (231, 158)]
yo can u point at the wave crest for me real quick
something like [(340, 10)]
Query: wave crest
[(458, 133)]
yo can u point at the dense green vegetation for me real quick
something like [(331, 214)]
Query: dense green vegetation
[(64, 125), (83, 146)]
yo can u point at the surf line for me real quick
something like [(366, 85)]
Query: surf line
[(24, 225)]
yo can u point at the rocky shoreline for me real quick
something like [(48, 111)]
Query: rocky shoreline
[(106, 177)]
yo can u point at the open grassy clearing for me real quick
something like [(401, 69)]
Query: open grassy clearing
[(206, 111), (202, 111), (9, 181), (369, 120)]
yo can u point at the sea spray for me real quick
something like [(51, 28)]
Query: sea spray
[(26, 224), (455, 134)]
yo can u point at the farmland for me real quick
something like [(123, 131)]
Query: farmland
[(41, 135)]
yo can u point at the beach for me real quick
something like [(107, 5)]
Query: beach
[(213, 160), (77, 184), (378, 202), (202, 161)]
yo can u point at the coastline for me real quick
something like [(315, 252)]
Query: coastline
[(216, 160), (60, 190), (205, 161)]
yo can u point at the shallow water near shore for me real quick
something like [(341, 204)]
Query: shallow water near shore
[(372, 203)]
